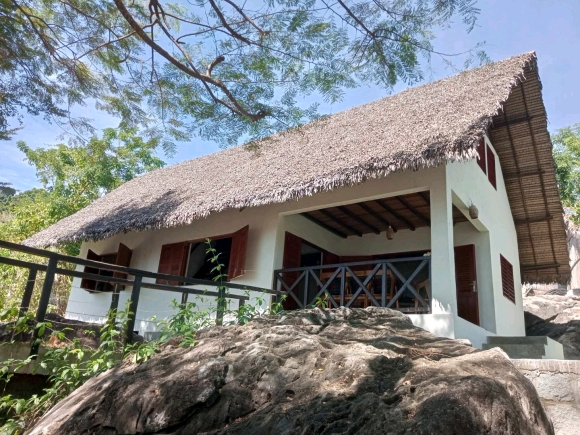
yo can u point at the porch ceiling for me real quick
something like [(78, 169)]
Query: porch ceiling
[(403, 212)]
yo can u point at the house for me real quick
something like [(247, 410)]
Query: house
[(438, 201)]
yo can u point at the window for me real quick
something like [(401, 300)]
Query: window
[(121, 258), (486, 161), (507, 279), (190, 258)]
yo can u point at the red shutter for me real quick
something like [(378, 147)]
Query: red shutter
[(466, 283), (507, 279), (123, 259), (291, 259), (491, 167), (237, 263), (172, 261), (330, 258), (481, 154), (91, 284)]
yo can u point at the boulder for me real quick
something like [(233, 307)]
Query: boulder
[(557, 317), (358, 371)]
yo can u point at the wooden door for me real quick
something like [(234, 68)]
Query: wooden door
[(466, 283), (291, 259)]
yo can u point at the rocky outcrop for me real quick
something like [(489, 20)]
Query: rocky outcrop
[(309, 372), (557, 317)]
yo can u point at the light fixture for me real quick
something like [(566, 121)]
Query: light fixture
[(473, 212), (390, 233)]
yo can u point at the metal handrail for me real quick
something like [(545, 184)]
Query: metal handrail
[(355, 263), (342, 269), (52, 269)]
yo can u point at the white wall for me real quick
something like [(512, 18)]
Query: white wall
[(469, 185)]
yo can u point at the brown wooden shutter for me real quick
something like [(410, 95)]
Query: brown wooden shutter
[(507, 279), (290, 260), (466, 283), (491, 167), (481, 154), (173, 261), (330, 258), (238, 250), (91, 284), (123, 259)]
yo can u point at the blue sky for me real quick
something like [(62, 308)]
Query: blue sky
[(508, 27)]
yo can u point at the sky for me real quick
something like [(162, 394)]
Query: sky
[(508, 27)]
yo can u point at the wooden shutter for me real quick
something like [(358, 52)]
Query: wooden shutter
[(290, 260), (330, 258), (466, 283), (173, 261), (237, 265), (507, 279), (481, 154), (491, 167), (91, 284), (123, 259)]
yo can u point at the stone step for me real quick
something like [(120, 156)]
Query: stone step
[(519, 351), (518, 340)]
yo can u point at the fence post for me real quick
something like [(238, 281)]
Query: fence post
[(184, 297), (342, 285), (26, 298), (221, 302), (133, 308), (43, 304), (384, 285), (115, 298)]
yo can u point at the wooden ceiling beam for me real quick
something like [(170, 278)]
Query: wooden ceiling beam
[(425, 197), (377, 216), (540, 266), (323, 225), (534, 219), (396, 215), (523, 174), (339, 221), (357, 218), (413, 210), (506, 122)]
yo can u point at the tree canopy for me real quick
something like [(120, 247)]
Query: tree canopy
[(220, 69), (566, 143), (72, 177)]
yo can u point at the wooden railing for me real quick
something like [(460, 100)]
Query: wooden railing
[(52, 268), (403, 284)]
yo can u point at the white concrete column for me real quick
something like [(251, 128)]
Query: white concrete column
[(442, 254)]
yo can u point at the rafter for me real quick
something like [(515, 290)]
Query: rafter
[(339, 221), (323, 225), (413, 210), (377, 216), (396, 215), (361, 221)]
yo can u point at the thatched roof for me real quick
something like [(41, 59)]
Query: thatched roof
[(425, 126)]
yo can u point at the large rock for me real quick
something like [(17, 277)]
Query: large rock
[(557, 317), (310, 372)]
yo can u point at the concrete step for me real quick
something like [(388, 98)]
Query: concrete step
[(518, 340), (519, 351)]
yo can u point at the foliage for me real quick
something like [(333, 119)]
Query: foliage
[(223, 69), (567, 156), (71, 365), (72, 177)]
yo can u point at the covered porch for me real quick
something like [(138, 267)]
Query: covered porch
[(377, 252)]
